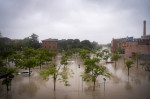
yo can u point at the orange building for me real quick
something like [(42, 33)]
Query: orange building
[(51, 44)]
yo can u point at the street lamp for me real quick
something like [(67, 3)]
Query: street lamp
[(104, 82), (79, 65)]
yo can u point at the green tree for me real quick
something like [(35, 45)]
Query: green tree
[(41, 56), (106, 54), (75, 43), (83, 53), (49, 55), (28, 63), (115, 58), (6, 55), (34, 42), (105, 57), (9, 72), (23, 43), (136, 56), (99, 55), (55, 71), (86, 44), (128, 65), (92, 70), (145, 65), (16, 57), (29, 59), (69, 52), (105, 51), (64, 60), (29, 52), (99, 48), (2, 63)]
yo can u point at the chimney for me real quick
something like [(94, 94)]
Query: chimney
[(144, 29)]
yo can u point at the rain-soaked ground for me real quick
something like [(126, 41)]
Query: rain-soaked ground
[(117, 87)]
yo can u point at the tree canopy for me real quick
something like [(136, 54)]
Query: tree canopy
[(93, 70)]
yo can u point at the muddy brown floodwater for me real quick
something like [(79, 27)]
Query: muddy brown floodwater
[(119, 86)]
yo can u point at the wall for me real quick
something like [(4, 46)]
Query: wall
[(135, 47), (50, 45)]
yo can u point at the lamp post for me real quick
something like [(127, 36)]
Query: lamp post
[(104, 82), (79, 65), (104, 86)]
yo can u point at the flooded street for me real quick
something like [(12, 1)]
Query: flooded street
[(119, 86)]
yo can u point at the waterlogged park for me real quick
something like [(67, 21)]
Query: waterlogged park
[(74, 70), (73, 74)]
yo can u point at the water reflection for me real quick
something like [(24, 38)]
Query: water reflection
[(29, 88), (117, 87), (128, 86)]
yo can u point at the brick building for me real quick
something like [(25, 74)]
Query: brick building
[(130, 45), (51, 44), (115, 44), (137, 46)]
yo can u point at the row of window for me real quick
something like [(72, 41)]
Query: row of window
[(51, 47), (50, 42)]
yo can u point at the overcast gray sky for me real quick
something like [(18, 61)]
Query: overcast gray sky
[(95, 20)]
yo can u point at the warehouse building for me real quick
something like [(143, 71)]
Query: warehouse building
[(130, 45)]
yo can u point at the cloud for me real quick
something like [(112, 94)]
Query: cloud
[(96, 20)]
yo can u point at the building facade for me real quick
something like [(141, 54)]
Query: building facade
[(115, 45), (135, 46), (130, 45), (51, 44)]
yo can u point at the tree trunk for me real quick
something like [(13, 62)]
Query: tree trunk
[(29, 71), (40, 64), (7, 87), (137, 63), (128, 72), (104, 85), (115, 64), (124, 60), (47, 63), (94, 86), (54, 82)]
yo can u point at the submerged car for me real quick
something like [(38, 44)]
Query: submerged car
[(25, 73)]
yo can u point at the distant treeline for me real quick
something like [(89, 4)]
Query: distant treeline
[(33, 42), (75, 43), (28, 42)]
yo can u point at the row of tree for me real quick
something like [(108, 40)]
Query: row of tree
[(29, 58), (28, 42), (128, 62), (33, 42), (75, 43), (93, 66)]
